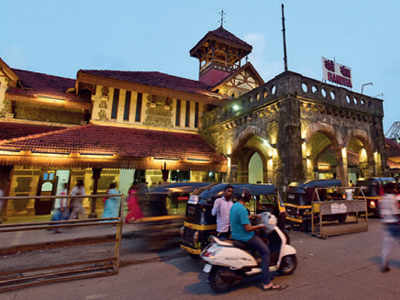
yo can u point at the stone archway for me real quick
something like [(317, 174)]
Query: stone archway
[(246, 148), (360, 152)]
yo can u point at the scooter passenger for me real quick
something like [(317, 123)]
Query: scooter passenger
[(243, 231)]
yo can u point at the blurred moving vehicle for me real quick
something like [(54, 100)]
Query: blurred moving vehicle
[(169, 199), (200, 224), (372, 188)]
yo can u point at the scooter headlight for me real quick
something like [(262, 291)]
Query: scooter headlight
[(372, 204)]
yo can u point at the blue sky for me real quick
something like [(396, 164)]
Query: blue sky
[(61, 37)]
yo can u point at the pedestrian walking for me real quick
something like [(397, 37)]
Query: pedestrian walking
[(76, 206), (221, 209), (112, 203), (390, 214), (134, 211), (60, 211)]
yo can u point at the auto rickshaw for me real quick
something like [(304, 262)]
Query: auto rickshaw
[(199, 224), (169, 199), (300, 197), (373, 191)]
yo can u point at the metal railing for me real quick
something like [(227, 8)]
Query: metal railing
[(337, 216), (56, 272)]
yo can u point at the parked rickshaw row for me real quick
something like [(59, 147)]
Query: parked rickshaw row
[(293, 210)]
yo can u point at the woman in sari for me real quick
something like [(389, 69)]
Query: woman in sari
[(134, 211), (111, 206)]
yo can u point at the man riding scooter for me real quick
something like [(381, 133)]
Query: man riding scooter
[(243, 231)]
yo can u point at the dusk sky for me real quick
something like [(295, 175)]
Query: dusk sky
[(61, 37)]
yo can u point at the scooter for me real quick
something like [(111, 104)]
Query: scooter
[(229, 262)]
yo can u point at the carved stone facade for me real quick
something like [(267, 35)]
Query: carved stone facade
[(299, 125), (158, 111)]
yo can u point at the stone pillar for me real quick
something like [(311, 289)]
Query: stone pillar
[(378, 138), (289, 149), (342, 168), (96, 176)]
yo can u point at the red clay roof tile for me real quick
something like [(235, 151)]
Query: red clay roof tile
[(126, 142), (154, 79), (34, 83), (10, 130)]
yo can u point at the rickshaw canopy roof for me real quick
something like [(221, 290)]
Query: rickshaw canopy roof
[(254, 189), (300, 189), (187, 187)]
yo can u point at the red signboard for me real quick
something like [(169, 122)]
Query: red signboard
[(336, 73)]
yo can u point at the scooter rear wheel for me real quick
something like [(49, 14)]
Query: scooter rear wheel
[(217, 282), (288, 264)]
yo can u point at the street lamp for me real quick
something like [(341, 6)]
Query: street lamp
[(365, 84)]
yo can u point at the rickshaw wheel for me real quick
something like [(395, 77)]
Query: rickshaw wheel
[(288, 265)]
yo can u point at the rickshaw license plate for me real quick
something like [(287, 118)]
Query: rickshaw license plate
[(207, 268)]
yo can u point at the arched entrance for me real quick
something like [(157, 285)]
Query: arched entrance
[(256, 169), (322, 156), (249, 161), (359, 159)]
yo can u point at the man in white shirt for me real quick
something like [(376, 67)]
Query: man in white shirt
[(76, 203), (221, 209)]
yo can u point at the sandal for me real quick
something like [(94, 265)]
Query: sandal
[(275, 287)]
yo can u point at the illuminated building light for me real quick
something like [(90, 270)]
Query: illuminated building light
[(235, 107), (9, 152), (51, 99), (166, 159), (323, 166), (198, 159), (344, 153), (97, 154), (46, 153)]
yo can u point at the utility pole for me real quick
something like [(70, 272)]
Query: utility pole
[(284, 38)]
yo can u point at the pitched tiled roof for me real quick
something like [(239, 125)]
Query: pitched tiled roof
[(222, 34), (10, 130), (126, 142), (33, 84), (154, 79)]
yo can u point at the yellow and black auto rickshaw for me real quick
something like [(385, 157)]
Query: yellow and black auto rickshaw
[(300, 198), (372, 188), (199, 224)]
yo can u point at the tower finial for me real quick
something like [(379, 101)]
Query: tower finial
[(222, 14)]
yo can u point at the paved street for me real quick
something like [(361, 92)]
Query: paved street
[(343, 267)]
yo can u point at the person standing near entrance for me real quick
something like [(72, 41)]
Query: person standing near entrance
[(77, 209), (221, 209)]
